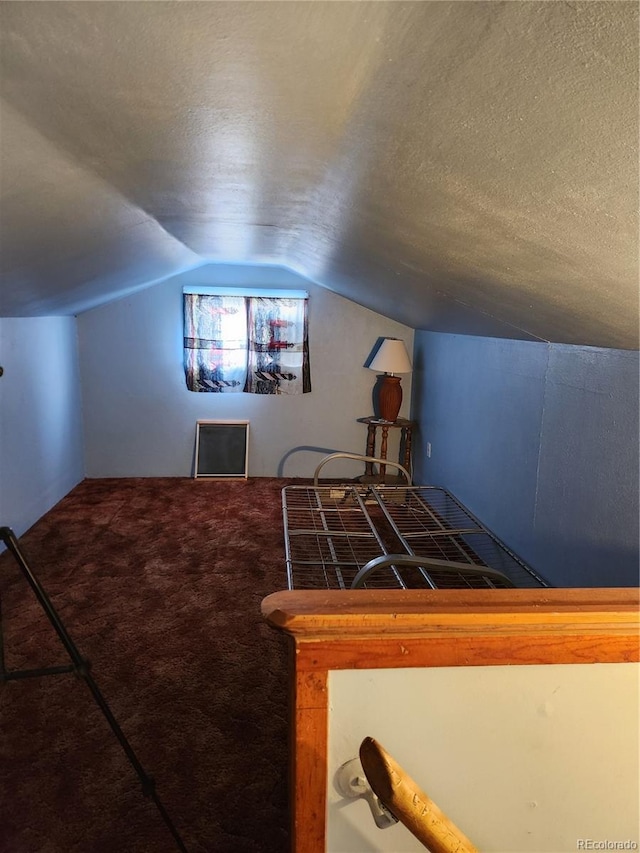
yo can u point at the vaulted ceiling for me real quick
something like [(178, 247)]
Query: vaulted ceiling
[(458, 166)]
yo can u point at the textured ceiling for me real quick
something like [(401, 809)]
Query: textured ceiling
[(461, 166)]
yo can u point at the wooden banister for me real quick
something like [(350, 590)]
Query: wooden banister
[(409, 803), (369, 629)]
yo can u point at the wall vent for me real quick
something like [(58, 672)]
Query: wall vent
[(222, 449)]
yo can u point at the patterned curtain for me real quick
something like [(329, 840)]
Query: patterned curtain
[(278, 346), (255, 344), (215, 343)]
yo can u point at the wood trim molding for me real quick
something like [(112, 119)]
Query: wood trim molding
[(308, 759), (370, 629), (366, 612)]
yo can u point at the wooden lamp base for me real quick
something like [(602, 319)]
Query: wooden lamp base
[(389, 398)]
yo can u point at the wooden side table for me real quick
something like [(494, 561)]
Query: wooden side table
[(404, 455)]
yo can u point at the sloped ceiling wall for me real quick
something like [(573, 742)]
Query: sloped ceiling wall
[(457, 166)]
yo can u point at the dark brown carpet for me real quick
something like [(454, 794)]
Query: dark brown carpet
[(159, 583)]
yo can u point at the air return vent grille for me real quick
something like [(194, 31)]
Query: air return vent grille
[(222, 449)]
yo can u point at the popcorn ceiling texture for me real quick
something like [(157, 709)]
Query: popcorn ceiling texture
[(466, 167)]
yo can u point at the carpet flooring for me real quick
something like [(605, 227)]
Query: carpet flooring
[(159, 583)]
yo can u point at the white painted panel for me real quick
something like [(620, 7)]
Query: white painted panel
[(524, 759)]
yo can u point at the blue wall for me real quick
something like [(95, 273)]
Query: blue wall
[(41, 451), (139, 417), (541, 442)]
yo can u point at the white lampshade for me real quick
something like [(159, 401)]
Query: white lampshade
[(391, 357)]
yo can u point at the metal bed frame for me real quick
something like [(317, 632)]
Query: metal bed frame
[(365, 535)]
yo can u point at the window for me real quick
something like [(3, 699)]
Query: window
[(253, 342)]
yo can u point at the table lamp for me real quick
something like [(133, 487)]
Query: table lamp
[(391, 358)]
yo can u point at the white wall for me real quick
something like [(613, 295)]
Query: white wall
[(523, 759), (41, 452), (140, 418)]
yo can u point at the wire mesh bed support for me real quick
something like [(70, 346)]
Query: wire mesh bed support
[(353, 535)]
